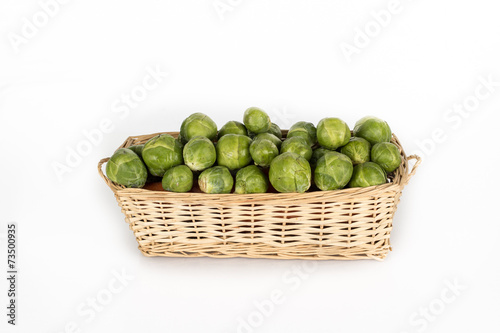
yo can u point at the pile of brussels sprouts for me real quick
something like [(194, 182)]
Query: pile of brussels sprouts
[(248, 156)]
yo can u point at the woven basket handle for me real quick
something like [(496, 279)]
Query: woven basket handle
[(99, 169), (413, 169)]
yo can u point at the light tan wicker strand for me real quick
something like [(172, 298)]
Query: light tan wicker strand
[(347, 224)]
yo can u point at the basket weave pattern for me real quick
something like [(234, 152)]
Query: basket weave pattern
[(346, 224)]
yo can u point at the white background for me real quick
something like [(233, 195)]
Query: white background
[(286, 57)]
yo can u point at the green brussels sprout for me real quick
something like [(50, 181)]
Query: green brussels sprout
[(317, 154), (233, 151), (197, 124), (300, 127), (216, 179), (251, 179), (126, 168), (178, 179), (180, 139), (137, 149), (386, 155), (232, 127), (333, 171), (301, 133), (297, 145), (275, 130), (263, 152), (270, 137), (372, 129), (199, 153), (290, 172), (161, 153), (256, 120), (358, 150), (368, 174), (333, 133)]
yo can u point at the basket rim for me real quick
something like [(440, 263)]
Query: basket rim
[(400, 179)]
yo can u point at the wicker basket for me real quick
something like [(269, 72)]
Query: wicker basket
[(346, 224)]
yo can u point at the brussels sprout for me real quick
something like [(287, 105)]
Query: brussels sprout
[(181, 139), (233, 151), (317, 154), (232, 127), (311, 129), (137, 149), (297, 145), (270, 137), (333, 171), (368, 174), (358, 150), (197, 124), (161, 153), (301, 133), (275, 130), (199, 153), (386, 155), (126, 168), (178, 179), (333, 133), (300, 127), (290, 172), (372, 129), (256, 120), (251, 179), (217, 179), (263, 152)]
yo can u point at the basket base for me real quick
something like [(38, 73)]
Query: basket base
[(303, 254)]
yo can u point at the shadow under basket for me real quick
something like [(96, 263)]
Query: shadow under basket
[(347, 224)]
